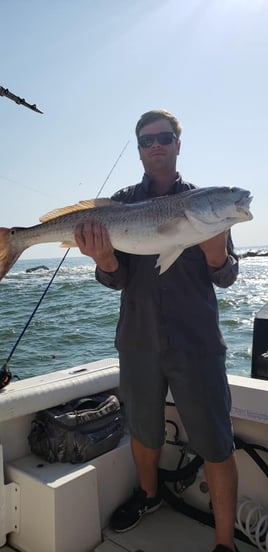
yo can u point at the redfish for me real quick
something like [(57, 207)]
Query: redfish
[(162, 226)]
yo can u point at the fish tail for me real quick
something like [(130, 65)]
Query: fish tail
[(9, 253)]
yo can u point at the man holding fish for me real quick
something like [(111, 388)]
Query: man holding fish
[(168, 335)]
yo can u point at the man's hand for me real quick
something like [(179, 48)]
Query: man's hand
[(93, 240), (215, 250)]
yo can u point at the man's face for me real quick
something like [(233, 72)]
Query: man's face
[(159, 157)]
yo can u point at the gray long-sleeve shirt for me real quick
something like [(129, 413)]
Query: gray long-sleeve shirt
[(177, 309)]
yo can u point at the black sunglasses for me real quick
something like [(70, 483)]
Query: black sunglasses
[(163, 138)]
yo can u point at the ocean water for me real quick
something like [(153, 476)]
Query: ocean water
[(75, 323)]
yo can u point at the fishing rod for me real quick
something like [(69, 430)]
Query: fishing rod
[(5, 373), (20, 101)]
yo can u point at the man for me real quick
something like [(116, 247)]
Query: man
[(168, 335)]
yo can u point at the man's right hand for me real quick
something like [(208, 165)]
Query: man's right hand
[(93, 240)]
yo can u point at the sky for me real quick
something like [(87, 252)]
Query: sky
[(94, 67)]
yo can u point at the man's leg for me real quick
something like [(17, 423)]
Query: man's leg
[(143, 389), (222, 481), (146, 460), (145, 499), (201, 392)]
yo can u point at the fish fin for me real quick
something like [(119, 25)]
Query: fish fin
[(8, 252), (167, 258), (84, 204), (98, 202), (169, 228), (68, 244)]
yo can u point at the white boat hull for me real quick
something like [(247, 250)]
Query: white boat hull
[(48, 496)]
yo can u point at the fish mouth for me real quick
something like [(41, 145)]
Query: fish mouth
[(243, 205)]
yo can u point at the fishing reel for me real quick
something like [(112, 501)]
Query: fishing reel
[(5, 376)]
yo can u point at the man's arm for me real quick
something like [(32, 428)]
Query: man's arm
[(93, 240), (221, 260)]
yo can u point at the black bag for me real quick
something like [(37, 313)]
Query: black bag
[(78, 430)]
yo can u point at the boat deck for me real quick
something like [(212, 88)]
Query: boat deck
[(113, 474), (165, 531)]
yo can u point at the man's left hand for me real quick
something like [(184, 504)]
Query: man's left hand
[(215, 250)]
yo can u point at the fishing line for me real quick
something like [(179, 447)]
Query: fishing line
[(5, 374), (113, 167), (22, 185)]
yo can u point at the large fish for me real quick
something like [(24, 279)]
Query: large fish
[(163, 225)]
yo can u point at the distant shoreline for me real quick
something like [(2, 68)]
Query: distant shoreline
[(242, 252), (253, 254)]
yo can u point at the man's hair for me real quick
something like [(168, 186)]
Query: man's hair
[(155, 115)]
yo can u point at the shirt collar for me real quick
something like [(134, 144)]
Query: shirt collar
[(147, 185)]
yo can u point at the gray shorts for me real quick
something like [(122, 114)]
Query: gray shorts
[(199, 387)]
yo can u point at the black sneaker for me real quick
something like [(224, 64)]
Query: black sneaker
[(129, 514)]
